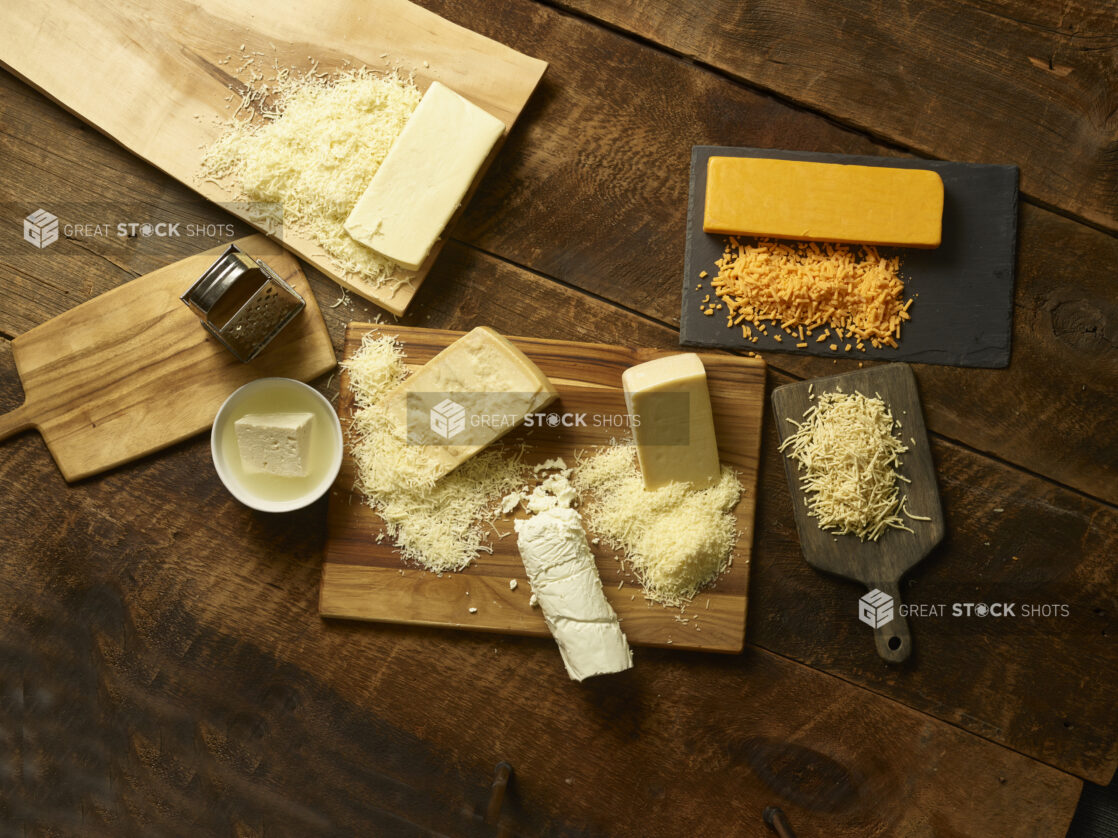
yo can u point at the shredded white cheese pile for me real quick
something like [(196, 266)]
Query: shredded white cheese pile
[(311, 144), (676, 539), (434, 523), (848, 452)]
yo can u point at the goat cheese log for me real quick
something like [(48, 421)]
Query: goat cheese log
[(565, 580)]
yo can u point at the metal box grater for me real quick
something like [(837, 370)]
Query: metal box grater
[(243, 303)]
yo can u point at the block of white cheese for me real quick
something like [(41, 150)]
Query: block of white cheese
[(424, 177), (275, 443), (565, 581), (669, 408), (469, 395)]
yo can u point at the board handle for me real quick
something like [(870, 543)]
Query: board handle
[(894, 643), (15, 421)]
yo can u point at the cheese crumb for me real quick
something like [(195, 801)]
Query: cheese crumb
[(512, 584)]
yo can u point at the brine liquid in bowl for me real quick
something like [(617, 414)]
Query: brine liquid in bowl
[(272, 492)]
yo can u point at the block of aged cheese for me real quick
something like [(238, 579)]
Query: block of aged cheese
[(275, 443), (469, 395), (669, 408), (568, 589), (424, 177), (794, 199)]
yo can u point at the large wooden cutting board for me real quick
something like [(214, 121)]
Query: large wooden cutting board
[(133, 371), (362, 579), (155, 75)]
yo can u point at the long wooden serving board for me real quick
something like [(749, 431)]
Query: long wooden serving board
[(156, 76), (366, 580), (133, 370)]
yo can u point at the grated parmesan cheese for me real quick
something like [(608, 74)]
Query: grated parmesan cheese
[(848, 453), (677, 540), (309, 145), (436, 523)]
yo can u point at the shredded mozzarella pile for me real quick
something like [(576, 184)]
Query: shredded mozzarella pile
[(310, 145), (848, 452), (676, 539), (436, 523)]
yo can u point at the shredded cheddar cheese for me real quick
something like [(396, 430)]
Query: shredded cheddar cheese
[(807, 285)]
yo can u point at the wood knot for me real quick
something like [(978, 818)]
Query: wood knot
[(1082, 325)]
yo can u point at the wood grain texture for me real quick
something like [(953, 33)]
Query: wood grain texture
[(162, 661), (364, 578), (344, 726), (981, 82), (879, 565), (133, 371), (50, 153), (156, 76), (204, 696), (567, 199), (600, 202), (1000, 680)]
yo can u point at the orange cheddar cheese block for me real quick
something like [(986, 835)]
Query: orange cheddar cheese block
[(791, 199)]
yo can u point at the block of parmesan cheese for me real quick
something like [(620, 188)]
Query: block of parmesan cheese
[(424, 177), (792, 199), (669, 409), (469, 395)]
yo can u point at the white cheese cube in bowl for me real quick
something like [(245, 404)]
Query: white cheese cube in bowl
[(277, 444)]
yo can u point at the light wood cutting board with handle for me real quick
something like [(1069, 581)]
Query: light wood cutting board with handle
[(156, 76), (366, 580), (879, 565), (133, 371)]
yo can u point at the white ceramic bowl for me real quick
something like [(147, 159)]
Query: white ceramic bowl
[(296, 395)]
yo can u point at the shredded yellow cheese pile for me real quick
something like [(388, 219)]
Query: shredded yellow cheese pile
[(436, 523), (848, 452), (804, 286), (310, 144), (677, 540)]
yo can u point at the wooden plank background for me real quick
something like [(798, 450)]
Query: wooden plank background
[(162, 662)]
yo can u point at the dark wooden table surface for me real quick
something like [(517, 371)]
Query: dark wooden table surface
[(163, 669)]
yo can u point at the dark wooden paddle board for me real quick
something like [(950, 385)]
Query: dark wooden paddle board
[(962, 313), (879, 565)]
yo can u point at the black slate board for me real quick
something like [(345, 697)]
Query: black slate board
[(876, 564), (963, 309)]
